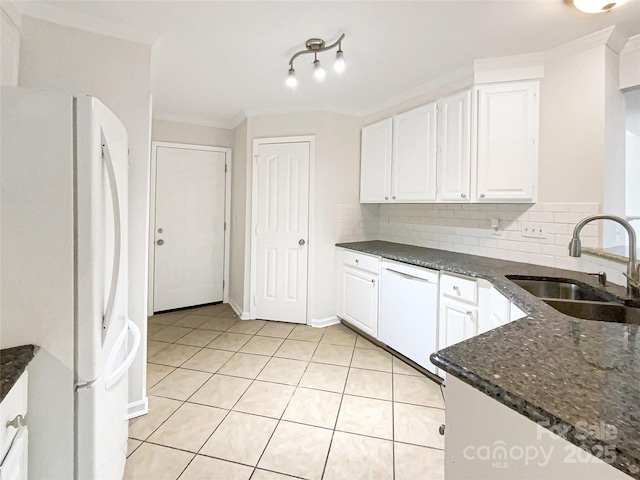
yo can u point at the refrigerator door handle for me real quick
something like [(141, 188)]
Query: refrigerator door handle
[(117, 232), (124, 366)]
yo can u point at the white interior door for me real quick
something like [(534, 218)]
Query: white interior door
[(282, 231), (189, 227)]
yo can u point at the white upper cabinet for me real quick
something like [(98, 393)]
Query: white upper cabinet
[(454, 147), (413, 171), (507, 142), (375, 165)]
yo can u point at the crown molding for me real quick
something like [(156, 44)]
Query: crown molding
[(262, 112), (603, 37), (508, 69), (458, 79), (202, 122), (632, 44), (11, 13), (50, 13)]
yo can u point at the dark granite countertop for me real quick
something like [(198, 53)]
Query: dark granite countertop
[(13, 362), (569, 374)]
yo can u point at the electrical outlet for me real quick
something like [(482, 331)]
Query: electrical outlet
[(532, 230)]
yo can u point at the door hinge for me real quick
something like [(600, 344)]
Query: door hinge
[(254, 300), (223, 284), (225, 226), (225, 168)]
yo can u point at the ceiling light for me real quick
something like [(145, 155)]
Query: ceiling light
[(597, 6), (339, 64), (318, 71), (291, 78), (315, 46)]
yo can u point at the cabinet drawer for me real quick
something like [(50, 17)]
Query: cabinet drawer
[(362, 261), (459, 288), (14, 404)]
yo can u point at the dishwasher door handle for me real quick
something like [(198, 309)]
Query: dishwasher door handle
[(406, 275)]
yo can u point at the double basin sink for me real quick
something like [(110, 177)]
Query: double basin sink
[(577, 300)]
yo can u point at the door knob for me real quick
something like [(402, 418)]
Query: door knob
[(160, 230), (160, 242), (301, 242)]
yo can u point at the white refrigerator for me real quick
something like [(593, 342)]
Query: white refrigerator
[(64, 168)]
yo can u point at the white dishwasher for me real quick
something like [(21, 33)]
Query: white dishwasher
[(409, 311)]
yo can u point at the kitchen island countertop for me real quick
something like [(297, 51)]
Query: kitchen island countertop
[(570, 375)]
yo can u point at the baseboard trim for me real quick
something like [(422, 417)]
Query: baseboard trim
[(138, 408), (324, 322), (242, 315)]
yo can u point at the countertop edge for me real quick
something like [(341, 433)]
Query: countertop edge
[(13, 362)]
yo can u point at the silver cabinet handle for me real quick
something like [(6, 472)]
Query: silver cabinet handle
[(160, 242), (406, 275), (482, 195), (462, 195), (469, 313), (301, 242), (357, 261), (393, 197), (373, 282), (16, 423), (386, 198), (160, 230), (455, 287)]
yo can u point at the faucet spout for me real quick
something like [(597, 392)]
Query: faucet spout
[(633, 272)]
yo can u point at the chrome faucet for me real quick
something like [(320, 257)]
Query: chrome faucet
[(633, 272)]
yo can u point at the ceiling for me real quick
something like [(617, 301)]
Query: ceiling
[(213, 61)]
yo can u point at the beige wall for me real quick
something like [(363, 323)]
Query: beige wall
[(117, 72), (335, 181), (166, 131), (237, 275)]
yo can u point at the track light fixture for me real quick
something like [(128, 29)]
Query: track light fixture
[(315, 46)]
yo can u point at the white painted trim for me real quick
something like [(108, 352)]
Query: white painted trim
[(261, 112), (11, 13), (632, 45), (241, 315), (508, 69), (57, 14), (324, 322), (152, 213), (137, 408), (596, 39), (252, 237), (202, 122)]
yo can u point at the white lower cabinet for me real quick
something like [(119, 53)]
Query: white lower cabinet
[(14, 434), (358, 290), (409, 311), (458, 322)]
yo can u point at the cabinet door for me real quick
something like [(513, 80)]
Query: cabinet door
[(413, 173), (375, 162), (359, 299), (508, 142), (457, 322), (454, 147)]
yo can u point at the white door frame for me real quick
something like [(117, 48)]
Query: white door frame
[(311, 140), (152, 213)]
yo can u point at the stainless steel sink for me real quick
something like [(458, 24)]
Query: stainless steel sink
[(560, 289), (605, 312)]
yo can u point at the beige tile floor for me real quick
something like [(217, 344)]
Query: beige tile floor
[(231, 399)]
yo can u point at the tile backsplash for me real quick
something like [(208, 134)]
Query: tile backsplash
[(466, 228)]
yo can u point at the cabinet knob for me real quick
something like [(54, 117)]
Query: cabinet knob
[(386, 198), (16, 423), (455, 287), (462, 195), (160, 242), (441, 429), (357, 261), (469, 313), (482, 195), (373, 282), (393, 197)]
